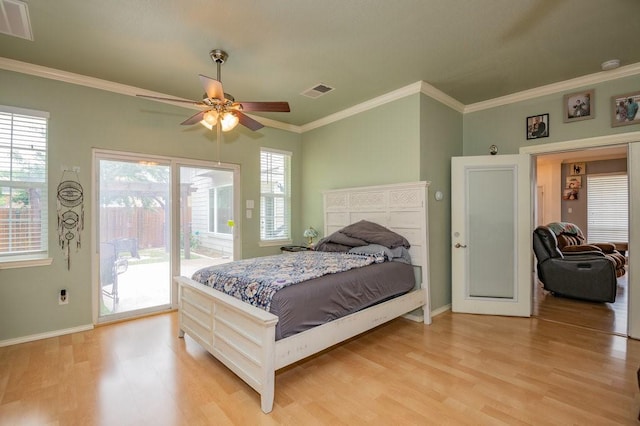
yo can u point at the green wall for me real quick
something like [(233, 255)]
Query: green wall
[(504, 126), (82, 118), (376, 147), (440, 139), (407, 140)]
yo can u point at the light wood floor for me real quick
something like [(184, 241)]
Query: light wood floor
[(606, 317), (463, 369)]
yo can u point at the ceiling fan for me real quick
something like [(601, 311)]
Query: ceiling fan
[(220, 107)]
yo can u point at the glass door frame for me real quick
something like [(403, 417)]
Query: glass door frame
[(174, 213)]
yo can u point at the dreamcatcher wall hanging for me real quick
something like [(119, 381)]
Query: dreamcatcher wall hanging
[(70, 212)]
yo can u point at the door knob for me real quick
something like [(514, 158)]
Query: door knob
[(458, 245)]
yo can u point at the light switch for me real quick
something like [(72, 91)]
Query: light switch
[(249, 204), (249, 213), (570, 210)]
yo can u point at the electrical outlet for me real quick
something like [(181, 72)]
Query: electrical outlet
[(63, 297)]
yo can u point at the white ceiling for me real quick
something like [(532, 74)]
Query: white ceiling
[(472, 50)]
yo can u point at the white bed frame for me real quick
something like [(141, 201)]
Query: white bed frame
[(242, 336)]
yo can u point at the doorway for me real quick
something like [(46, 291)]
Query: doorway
[(157, 217), (554, 206)]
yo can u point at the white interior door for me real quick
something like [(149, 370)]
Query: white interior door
[(491, 235)]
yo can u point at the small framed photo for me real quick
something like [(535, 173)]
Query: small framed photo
[(570, 194), (625, 109), (579, 106), (577, 169), (574, 182), (538, 126)]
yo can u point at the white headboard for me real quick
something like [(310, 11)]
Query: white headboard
[(400, 207)]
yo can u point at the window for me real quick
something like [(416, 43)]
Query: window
[(275, 195), (608, 208), (23, 184), (220, 209)]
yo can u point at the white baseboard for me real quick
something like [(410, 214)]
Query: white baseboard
[(46, 335), (441, 310)]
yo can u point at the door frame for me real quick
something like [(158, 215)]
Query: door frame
[(175, 163), (633, 169)]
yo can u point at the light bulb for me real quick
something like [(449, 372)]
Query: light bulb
[(209, 119), (207, 125), (229, 121)]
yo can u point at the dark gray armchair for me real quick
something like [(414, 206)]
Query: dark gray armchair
[(583, 275)]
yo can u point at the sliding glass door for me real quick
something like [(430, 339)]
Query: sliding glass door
[(143, 238), (206, 217), (134, 250)]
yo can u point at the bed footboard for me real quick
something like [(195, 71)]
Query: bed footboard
[(239, 335)]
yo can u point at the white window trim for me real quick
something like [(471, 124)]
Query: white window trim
[(37, 259), (273, 243), (590, 237)]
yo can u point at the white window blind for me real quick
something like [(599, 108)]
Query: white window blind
[(275, 194), (607, 208), (23, 184)]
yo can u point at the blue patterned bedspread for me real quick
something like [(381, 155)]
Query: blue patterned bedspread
[(256, 280)]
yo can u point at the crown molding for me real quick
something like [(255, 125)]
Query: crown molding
[(574, 83), (78, 79), (364, 106), (276, 124), (441, 97), (417, 87), (109, 86)]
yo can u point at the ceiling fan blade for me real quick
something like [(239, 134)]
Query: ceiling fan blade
[(248, 122), (265, 106), (212, 86), (184, 101), (196, 118)]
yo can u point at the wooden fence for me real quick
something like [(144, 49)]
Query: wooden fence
[(20, 232), (145, 225)]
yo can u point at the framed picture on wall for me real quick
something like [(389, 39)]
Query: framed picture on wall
[(574, 182), (538, 126), (577, 169), (579, 106), (624, 109), (570, 194)]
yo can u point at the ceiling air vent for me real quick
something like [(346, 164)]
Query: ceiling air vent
[(14, 19), (317, 91)]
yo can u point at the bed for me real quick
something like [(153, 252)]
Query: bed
[(243, 337)]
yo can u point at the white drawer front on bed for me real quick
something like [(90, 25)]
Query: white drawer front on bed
[(238, 323), (196, 314)]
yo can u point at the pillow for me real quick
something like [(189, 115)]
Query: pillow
[(401, 254), (375, 234), (326, 245), (381, 253)]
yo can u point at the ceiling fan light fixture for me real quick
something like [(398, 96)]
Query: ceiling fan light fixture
[(207, 125), (211, 117), (229, 121)]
